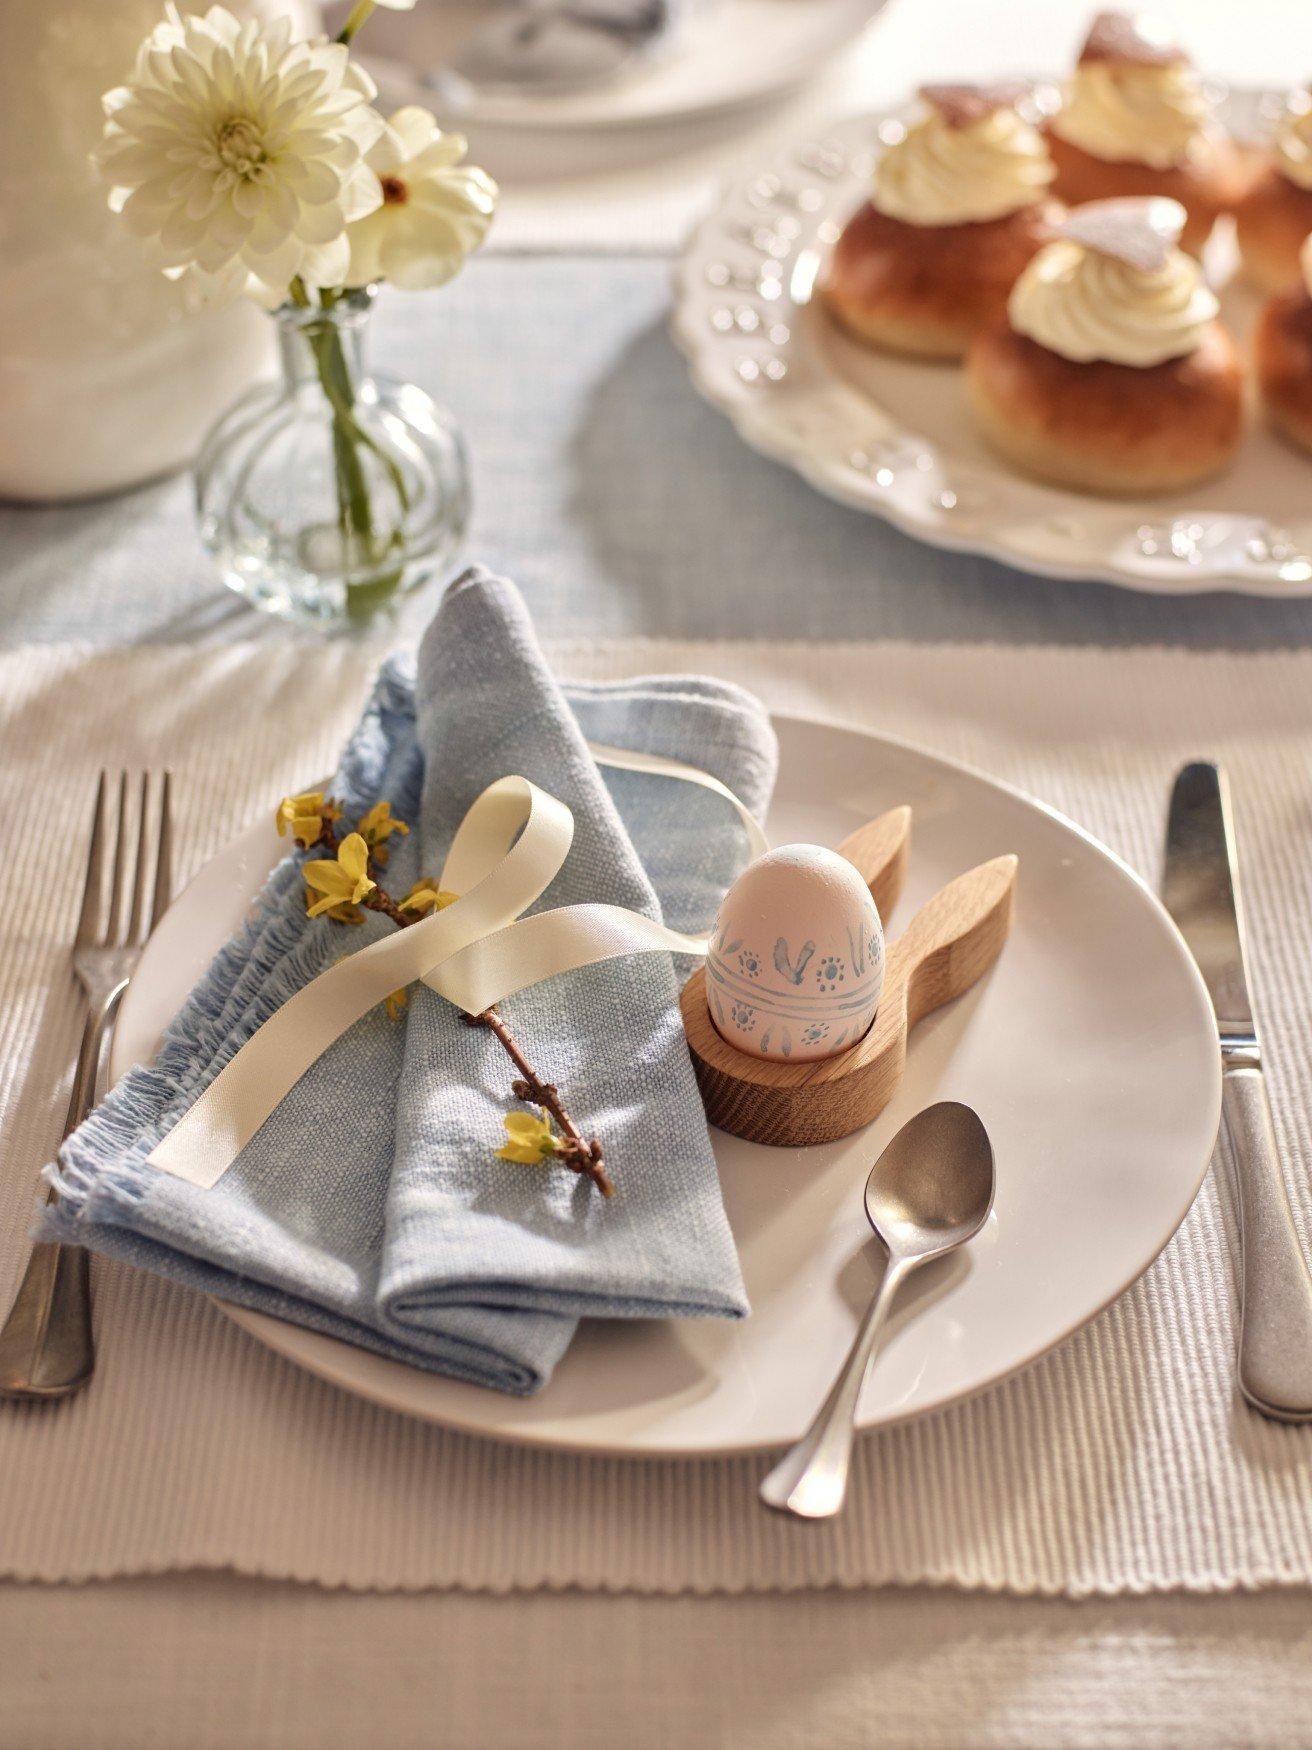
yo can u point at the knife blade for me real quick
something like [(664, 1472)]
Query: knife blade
[(1200, 888)]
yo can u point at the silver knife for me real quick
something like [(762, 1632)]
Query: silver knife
[(1200, 885)]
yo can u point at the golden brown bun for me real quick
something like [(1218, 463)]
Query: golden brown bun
[(1282, 353), (1205, 187), (1108, 428), (1272, 220), (926, 289)]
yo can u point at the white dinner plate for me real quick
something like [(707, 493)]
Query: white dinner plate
[(1089, 1051), (728, 55), (895, 437)]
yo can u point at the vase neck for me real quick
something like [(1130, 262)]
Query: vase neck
[(303, 332)]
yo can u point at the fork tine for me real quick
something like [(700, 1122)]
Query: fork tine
[(90, 912), (110, 935), (163, 854), (140, 871)]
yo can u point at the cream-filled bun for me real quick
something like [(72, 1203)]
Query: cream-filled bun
[(1136, 120), (1275, 215), (958, 205), (1282, 353), (1110, 371)]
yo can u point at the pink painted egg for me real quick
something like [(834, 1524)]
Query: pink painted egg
[(796, 963)]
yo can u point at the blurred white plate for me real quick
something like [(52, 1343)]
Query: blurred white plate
[(730, 53), (895, 437), (1090, 1052)]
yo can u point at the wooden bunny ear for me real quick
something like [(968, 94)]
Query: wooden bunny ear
[(953, 939), (878, 851), (1141, 231)]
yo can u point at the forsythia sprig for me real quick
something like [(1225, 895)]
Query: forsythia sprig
[(530, 1140), (342, 887), (340, 882), (425, 896), (377, 827), (304, 816)]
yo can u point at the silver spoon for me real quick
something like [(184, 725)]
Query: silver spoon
[(929, 1192)]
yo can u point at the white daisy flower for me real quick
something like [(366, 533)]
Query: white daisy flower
[(434, 210), (239, 154)]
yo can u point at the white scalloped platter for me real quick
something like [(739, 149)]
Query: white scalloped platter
[(895, 437)]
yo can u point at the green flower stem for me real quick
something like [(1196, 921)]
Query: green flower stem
[(355, 513), (359, 14)]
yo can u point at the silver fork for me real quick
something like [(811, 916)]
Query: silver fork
[(46, 1347)]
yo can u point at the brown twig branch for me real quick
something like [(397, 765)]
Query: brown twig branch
[(575, 1151)]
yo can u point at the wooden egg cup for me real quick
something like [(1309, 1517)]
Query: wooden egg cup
[(946, 948)]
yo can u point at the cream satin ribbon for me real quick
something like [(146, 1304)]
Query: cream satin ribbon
[(476, 952)]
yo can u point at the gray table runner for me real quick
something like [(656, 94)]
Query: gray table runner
[(613, 494)]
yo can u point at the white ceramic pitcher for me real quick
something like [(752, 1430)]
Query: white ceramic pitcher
[(106, 379)]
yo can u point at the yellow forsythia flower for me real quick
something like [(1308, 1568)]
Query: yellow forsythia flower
[(531, 1140), (378, 826), (305, 814), (426, 895), (341, 882)]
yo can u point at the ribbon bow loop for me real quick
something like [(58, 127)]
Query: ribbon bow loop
[(506, 852)]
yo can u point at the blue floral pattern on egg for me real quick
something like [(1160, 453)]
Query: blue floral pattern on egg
[(796, 966)]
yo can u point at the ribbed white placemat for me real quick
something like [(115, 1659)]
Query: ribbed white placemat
[(1122, 1462)]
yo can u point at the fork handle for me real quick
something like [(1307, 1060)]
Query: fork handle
[(46, 1346), (98, 1021)]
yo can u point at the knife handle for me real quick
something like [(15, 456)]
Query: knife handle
[(1275, 1333)]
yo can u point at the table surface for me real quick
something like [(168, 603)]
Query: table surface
[(620, 502), (607, 488), (209, 1662)]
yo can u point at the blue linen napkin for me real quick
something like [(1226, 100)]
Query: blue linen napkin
[(371, 1205)]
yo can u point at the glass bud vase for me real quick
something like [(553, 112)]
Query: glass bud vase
[(325, 496)]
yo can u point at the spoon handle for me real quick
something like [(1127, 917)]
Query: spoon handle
[(810, 1480)]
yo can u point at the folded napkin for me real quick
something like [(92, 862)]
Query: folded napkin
[(371, 1204)]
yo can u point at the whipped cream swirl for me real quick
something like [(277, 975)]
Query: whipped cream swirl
[(938, 174), (1294, 143), (1086, 306), (1126, 113)]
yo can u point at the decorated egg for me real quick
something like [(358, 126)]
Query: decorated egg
[(796, 962)]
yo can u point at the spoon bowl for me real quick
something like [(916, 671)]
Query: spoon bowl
[(928, 1193), (932, 1188)]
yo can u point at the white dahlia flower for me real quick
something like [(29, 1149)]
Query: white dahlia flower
[(239, 154), (434, 210)]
